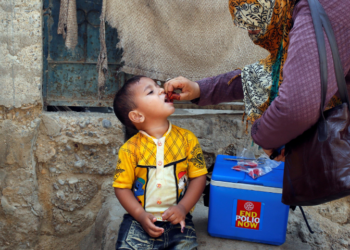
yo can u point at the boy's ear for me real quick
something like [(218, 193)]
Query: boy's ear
[(136, 117)]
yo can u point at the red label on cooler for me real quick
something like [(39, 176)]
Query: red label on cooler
[(248, 214)]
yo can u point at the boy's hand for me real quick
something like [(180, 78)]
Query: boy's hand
[(147, 222), (128, 201), (175, 214)]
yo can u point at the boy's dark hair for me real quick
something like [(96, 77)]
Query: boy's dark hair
[(123, 101)]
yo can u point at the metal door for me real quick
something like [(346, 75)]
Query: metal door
[(70, 76)]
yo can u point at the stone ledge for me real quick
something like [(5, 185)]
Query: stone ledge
[(177, 113), (195, 112)]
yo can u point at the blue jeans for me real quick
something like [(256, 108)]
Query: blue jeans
[(132, 236)]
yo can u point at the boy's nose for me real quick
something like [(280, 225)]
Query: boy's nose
[(161, 91)]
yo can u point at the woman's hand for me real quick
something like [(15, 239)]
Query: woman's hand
[(280, 157), (189, 90)]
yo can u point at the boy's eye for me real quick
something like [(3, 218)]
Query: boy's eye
[(151, 92)]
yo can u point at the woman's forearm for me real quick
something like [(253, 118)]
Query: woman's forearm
[(222, 88)]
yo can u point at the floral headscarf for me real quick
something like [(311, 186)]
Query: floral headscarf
[(262, 79)]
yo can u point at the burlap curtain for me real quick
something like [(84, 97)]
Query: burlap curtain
[(167, 38), (68, 24)]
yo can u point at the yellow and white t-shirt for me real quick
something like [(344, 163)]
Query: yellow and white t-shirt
[(157, 170)]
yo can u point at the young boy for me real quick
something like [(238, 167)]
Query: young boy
[(153, 168)]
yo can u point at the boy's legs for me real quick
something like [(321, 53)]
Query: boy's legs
[(181, 241), (132, 236)]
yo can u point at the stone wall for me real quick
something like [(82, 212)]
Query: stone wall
[(20, 53), (20, 107), (20, 209), (61, 200), (76, 155)]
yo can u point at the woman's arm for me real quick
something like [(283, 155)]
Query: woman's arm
[(209, 91), (222, 88), (297, 107)]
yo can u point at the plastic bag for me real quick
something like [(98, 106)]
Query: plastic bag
[(247, 158), (253, 172), (254, 167), (247, 163)]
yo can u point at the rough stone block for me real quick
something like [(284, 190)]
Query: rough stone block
[(50, 126), (74, 194)]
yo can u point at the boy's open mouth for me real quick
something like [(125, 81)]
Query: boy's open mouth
[(171, 96), (167, 99)]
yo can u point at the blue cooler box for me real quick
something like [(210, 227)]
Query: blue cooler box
[(242, 208)]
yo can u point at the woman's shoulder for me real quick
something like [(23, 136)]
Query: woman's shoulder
[(337, 10)]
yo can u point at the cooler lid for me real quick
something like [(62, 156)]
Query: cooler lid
[(223, 172)]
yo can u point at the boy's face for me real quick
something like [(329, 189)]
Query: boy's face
[(150, 100)]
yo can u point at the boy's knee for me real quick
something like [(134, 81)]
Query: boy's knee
[(189, 243), (132, 236), (123, 232)]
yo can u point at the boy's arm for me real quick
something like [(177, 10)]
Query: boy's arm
[(177, 214), (193, 193), (197, 173), (124, 178), (128, 201)]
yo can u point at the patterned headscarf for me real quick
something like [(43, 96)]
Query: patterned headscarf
[(262, 79)]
